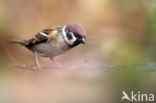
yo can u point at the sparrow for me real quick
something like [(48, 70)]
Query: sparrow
[(53, 41)]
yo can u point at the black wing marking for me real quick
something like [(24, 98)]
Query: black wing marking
[(39, 37)]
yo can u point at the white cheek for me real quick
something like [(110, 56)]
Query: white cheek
[(74, 38), (71, 42), (83, 39)]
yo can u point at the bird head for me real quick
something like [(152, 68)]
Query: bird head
[(75, 34)]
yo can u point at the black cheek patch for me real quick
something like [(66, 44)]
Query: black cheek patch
[(77, 42), (69, 36)]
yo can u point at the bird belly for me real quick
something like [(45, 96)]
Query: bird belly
[(48, 50)]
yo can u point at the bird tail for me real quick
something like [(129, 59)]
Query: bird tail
[(21, 42)]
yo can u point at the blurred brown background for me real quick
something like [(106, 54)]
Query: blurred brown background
[(119, 32)]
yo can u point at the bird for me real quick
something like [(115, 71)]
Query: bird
[(54, 41)]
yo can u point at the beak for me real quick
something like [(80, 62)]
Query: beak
[(83, 40)]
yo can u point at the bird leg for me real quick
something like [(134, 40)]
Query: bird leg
[(37, 63), (56, 62)]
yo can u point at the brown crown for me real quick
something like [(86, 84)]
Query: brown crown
[(76, 28)]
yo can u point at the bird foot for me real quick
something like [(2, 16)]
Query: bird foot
[(28, 66), (58, 64)]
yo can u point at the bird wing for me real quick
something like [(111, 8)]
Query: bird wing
[(43, 36)]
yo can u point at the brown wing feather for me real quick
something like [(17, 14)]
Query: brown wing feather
[(45, 35)]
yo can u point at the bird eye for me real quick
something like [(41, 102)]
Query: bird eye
[(69, 35)]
